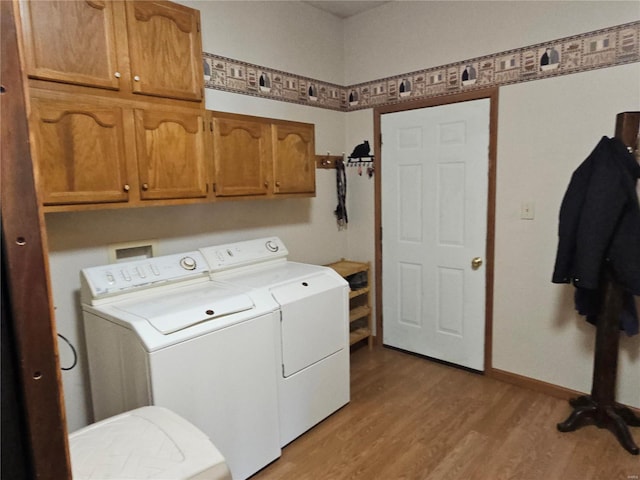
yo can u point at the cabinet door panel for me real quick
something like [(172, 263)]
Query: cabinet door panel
[(80, 152), (171, 158), (165, 49), (294, 154), (240, 153), (71, 42)]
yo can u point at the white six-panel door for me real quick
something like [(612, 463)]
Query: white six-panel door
[(434, 176)]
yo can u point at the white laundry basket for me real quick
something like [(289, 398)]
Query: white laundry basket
[(146, 443)]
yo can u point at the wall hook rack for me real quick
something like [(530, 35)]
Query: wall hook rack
[(365, 161), (328, 160), (354, 161)]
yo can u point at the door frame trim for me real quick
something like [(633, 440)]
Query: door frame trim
[(492, 95)]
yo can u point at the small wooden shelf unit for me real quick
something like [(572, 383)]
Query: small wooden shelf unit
[(360, 318)]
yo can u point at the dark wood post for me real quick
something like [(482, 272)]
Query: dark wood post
[(28, 325)]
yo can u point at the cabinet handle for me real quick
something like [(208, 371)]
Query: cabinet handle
[(277, 184), (117, 75), (126, 187), (145, 186), (266, 184), (136, 78)]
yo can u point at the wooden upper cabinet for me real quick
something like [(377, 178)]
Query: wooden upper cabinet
[(116, 142), (257, 156), (294, 169), (141, 47), (241, 149), (171, 154), (79, 151), (71, 42), (165, 49)]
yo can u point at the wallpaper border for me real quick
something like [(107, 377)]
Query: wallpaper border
[(603, 48)]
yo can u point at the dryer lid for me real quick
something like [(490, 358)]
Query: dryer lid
[(178, 310)]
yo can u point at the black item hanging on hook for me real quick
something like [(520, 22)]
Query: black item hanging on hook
[(341, 189)]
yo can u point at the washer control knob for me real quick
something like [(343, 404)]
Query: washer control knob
[(188, 263), (272, 246)]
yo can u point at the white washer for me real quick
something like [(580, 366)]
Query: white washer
[(160, 332), (313, 341)]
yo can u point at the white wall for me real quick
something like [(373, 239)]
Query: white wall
[(285, 35), (546, 128), (405, 36)]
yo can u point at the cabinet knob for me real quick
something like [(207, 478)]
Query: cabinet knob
[(277, 184), (126, 187), (266, 184), (117, 75), (145, 186), (136, 78)]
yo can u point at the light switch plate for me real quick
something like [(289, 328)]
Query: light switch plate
[(527, 210)]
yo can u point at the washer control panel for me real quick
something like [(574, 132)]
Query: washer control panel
[(107, 280), (239, 254)]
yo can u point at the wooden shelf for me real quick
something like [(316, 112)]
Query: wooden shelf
[(357, 293), (347, 268), (359, 334), (360, 312)]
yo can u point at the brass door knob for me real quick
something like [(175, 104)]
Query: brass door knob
[(476, 263)]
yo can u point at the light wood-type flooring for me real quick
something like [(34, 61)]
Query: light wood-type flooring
[(411, 418)]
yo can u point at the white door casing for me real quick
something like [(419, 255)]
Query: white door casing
[(434, 191)]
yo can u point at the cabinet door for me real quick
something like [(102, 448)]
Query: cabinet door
[(165, 49), (171, 154), (241, 148), (293, 159), (79, 150), (71, 42)]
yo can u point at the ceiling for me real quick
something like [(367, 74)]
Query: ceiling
[(345, 9)]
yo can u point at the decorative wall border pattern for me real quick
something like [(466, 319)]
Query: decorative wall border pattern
[(235, 76), (604, 48)]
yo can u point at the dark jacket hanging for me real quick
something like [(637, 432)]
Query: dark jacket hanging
[(600, 225)]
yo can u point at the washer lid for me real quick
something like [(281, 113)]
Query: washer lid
[(181, 309), (146, 443)]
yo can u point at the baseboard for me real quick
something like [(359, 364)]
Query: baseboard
[(538, 385), (533, 384)]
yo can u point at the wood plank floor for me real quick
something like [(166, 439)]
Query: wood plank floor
[(410, 418)]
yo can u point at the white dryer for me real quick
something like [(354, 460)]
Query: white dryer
[(313, 340), (160, 332)]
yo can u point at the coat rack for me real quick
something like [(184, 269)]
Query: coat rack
[(600, 408)]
